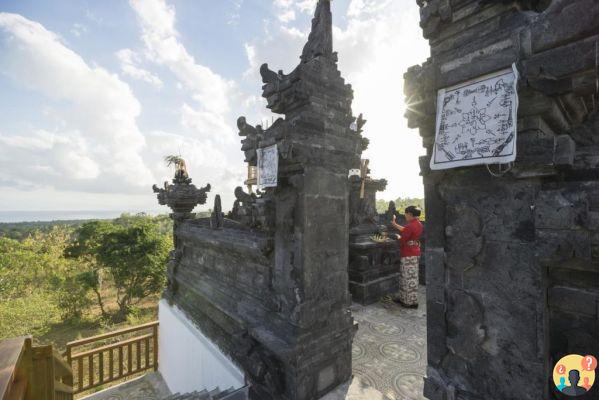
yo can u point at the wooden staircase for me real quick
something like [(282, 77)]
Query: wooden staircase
[(30, 372)]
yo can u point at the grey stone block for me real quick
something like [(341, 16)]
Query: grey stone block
[(565, 151)]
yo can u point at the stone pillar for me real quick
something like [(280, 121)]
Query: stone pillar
[(499, 247), (317, 148)]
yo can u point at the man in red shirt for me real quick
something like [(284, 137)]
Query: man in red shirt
[(409, 247)]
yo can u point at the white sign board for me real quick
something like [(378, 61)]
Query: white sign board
[(268, 166), (476, 122)]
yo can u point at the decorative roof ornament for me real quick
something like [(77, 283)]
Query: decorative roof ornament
[(320, 41), (181, 197)]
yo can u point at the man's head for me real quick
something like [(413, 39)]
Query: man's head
[(574, 377), (412, 212)]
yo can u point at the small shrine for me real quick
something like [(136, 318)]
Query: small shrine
[(373, 249)]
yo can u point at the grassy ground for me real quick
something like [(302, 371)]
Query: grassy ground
[(62, 332), (38, 315)]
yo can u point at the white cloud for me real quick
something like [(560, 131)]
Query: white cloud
[(287, 16), (236, 13), (162, 45), (91, 141), (286, 6), (57, 159), (129, 65), (78, 29), (100, 111)]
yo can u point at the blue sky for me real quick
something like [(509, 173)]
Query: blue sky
[(95, 93)]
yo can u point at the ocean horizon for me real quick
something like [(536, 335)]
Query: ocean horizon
[(48, 216)]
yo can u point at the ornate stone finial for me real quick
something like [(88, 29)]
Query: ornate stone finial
[(360, 122), (320, 41), (217, 219), (182, 197), (251, 137)]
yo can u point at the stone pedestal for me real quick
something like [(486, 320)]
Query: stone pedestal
[(373, 267)]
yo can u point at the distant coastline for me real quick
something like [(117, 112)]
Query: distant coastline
[(13, 217)]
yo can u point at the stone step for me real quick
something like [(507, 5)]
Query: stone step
[(215, 394)]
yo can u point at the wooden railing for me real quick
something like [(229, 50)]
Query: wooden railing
[(33, 372), (53, 377), (15, 367), (106, 358)]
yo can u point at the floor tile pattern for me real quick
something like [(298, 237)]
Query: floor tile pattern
[(389, 351)]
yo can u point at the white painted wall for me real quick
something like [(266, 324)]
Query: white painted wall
[(188, 360)]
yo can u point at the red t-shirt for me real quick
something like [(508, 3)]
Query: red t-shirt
[(412, 232)]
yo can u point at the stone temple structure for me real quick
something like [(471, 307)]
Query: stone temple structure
[(269, 285), (512, 259), (373, 265)]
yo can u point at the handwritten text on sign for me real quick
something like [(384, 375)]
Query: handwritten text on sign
[(268, 166), (476, 122)]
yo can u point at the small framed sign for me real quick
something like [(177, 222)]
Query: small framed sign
[(268, 166), (477, 122)]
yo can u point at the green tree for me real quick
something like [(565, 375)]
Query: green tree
[(72, 294), (32, 273), (84, 248), (27, 266), (135, 256)]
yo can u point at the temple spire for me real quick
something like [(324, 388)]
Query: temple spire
[(320, 41)]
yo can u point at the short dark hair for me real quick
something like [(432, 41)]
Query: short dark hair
[(414, 210)]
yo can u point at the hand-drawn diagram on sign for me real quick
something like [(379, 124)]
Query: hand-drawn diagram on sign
[(476, 122), (268, 166)]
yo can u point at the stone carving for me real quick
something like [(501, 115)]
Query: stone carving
[(252, 136), (217, 219), (320, 41), (253, 210), (182, 196)]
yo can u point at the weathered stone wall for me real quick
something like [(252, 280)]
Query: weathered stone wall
[(512, 273)]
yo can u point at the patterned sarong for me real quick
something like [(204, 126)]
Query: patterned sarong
[(408, 281)]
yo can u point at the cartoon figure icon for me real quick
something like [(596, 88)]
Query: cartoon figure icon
[(574, 389), (562, 383), (574, 375)]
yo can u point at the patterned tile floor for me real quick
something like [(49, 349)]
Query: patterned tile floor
[(389, 350), (389, 354)]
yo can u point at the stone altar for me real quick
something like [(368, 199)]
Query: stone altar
[(512, 260), (373, 266), (270, 286)]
